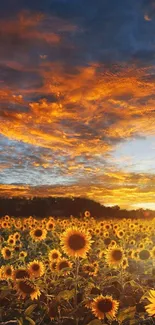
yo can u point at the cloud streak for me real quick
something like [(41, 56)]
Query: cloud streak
[(73, 88)]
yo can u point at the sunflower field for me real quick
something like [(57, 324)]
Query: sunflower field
[(77, 271)]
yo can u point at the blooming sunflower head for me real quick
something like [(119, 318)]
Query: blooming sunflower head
[(151, 307), (6, 253), (104, 306), (36, 269), (50, 225), (54, 254), (22, 254), (26, 288), (7, 272), (114, 256), (38, 234), (75, 242)]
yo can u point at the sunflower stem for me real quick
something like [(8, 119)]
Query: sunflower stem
[(76, 284)]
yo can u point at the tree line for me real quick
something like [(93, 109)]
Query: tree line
[(64, 207)]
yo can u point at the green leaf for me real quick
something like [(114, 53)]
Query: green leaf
[(30, 309), (31, 321), (65, 294), (127, 313), (95, 322)]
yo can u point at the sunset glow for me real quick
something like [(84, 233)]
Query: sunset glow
[(77, 96)]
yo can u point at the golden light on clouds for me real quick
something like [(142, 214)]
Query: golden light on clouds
[(62, 120)]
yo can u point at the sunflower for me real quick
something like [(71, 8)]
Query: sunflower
[(114, 256), (50, 225), (6, 253), (21, 273), (22, 254), (6, 218), (125, 263), (25, 287), (151, 307), (75, 242), (53, 266), (16, 235), (7, 272), (62, 265), (87, 214), (36, 269), (54, 254), (38, 234), (4, 224), (11, 241), (120, 233), (90, 269), (104, 306)]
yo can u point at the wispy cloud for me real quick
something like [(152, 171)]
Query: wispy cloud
[(74, 87)]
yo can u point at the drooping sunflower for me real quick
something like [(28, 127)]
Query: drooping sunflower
[(114, 256), (26, 288), (76, 243), (104, 306), (21, 273), (38, 234), (6, 253), (36, 269), (53, 266), (62, 266), (54, 254), (151, 307), (7, 272)]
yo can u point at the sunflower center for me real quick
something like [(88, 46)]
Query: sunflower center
[(8, 252), (35, 267), (9, 271), (50, 225), (63, 265), (76, 242), (26, 287), (55, 255), (107, 241), (144, 254), (20, 274), (38, 233), (117, 255), (105, 305)]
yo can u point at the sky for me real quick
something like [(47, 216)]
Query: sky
[(77, 100)]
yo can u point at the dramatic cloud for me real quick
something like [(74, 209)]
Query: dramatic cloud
[(77, 81)]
